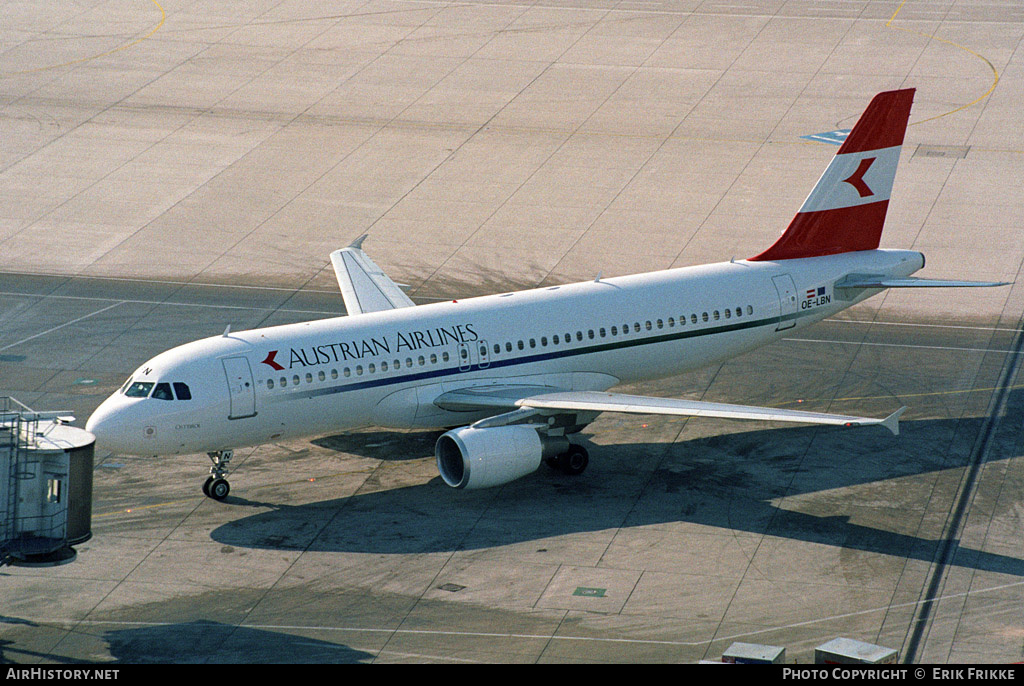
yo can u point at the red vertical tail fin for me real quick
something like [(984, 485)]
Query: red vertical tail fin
[(846, 210)]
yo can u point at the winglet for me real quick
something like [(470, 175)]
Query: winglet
[(846, 210), (892, 422)]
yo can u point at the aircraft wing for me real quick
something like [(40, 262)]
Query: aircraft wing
[(364, 286), (547, 402)]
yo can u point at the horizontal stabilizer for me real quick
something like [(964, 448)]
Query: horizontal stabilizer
[(364, 286), (865, 281)]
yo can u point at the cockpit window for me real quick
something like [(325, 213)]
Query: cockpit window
[(163, 392), (139, 389), (182, 391)]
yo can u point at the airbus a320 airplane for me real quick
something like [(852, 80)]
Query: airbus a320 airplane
[(520, 373)]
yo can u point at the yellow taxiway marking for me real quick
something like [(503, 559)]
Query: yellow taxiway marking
[(163, 18), (995, 72)]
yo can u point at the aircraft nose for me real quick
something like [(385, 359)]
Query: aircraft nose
[(108, 425)]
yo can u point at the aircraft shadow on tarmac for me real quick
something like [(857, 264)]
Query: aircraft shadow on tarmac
[(200, 642), (732, 481), (214, 642)]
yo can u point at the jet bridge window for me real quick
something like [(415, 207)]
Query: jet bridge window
[(139, 389)]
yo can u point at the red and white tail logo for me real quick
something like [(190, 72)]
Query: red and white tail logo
[(846, 210)]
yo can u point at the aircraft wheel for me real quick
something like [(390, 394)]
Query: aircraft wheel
[(217, 489), (206, 486), (574, 461)]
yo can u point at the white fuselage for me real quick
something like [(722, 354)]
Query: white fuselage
[(387, 368)]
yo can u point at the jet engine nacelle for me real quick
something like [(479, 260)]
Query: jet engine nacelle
[(480, 458)]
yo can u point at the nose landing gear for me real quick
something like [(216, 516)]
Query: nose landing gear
[(216, 486)]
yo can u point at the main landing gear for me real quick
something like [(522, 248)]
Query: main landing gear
[(216, 486), (573, 462)]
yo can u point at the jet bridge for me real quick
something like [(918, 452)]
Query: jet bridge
[(45, 485)]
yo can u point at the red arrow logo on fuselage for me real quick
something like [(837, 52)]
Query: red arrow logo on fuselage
[(270, 361), (857, 178)]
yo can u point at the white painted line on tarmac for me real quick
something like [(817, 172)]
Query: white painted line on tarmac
[(61, 326), (902, 345)]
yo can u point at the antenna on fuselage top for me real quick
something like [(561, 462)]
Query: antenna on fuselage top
[(227, 331)]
